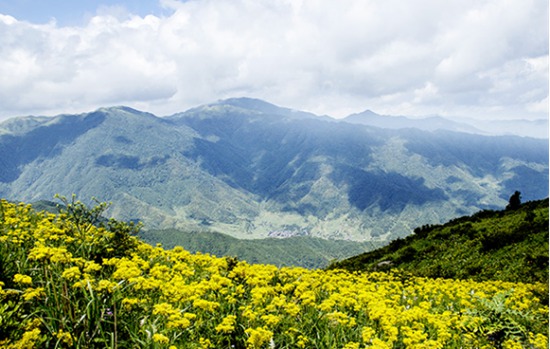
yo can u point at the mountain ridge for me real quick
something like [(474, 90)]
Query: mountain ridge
[(251, 173)]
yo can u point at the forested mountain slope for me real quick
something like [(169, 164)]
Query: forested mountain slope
[(250, 169)]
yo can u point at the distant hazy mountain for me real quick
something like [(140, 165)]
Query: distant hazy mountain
[(433, 123), (526, 128), (251, 169)]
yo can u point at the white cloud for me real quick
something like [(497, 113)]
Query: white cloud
[(423, 57)]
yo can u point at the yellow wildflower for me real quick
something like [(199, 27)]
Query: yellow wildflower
[(129, 303), (367, 334), (190, 316), (379, 344), (205, 343), (165, 309), (337, 317), (34, 323), (205, 305), (227, 325), (160, 338), (302, 341), (257, 337), (91, 266), (539, 340), (28, 340), (64, 337), (22, 279), (60, 255), (71, 273), (177, 321), (271, 319), (126, 269), (351, 345), (105, 285), (292, 309), (32, 293)]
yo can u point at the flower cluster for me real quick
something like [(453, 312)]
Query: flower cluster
[(66, 284)]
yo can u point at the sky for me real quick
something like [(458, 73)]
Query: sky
[(485, 59)]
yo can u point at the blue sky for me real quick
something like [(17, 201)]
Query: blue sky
[(74, 12), (485, 59)]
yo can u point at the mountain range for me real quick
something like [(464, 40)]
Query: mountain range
[(250, 169), (526, 128)]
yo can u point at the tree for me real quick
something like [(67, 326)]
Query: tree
[(515, 201)]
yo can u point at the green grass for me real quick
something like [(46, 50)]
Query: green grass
[(508, 245)]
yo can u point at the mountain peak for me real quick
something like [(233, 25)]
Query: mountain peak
[(251, 104), (262, 107), (247, 105), (365, 113), (122, 110)]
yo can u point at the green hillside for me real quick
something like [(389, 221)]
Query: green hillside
[(510, 245), (301, 251)]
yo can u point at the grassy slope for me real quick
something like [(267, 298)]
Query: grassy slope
[(489, 245), (305, 252)]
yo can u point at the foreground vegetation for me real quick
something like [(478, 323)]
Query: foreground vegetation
[(508, 245), (69, 280)]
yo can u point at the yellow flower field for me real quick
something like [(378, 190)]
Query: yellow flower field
[(66, 283)]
